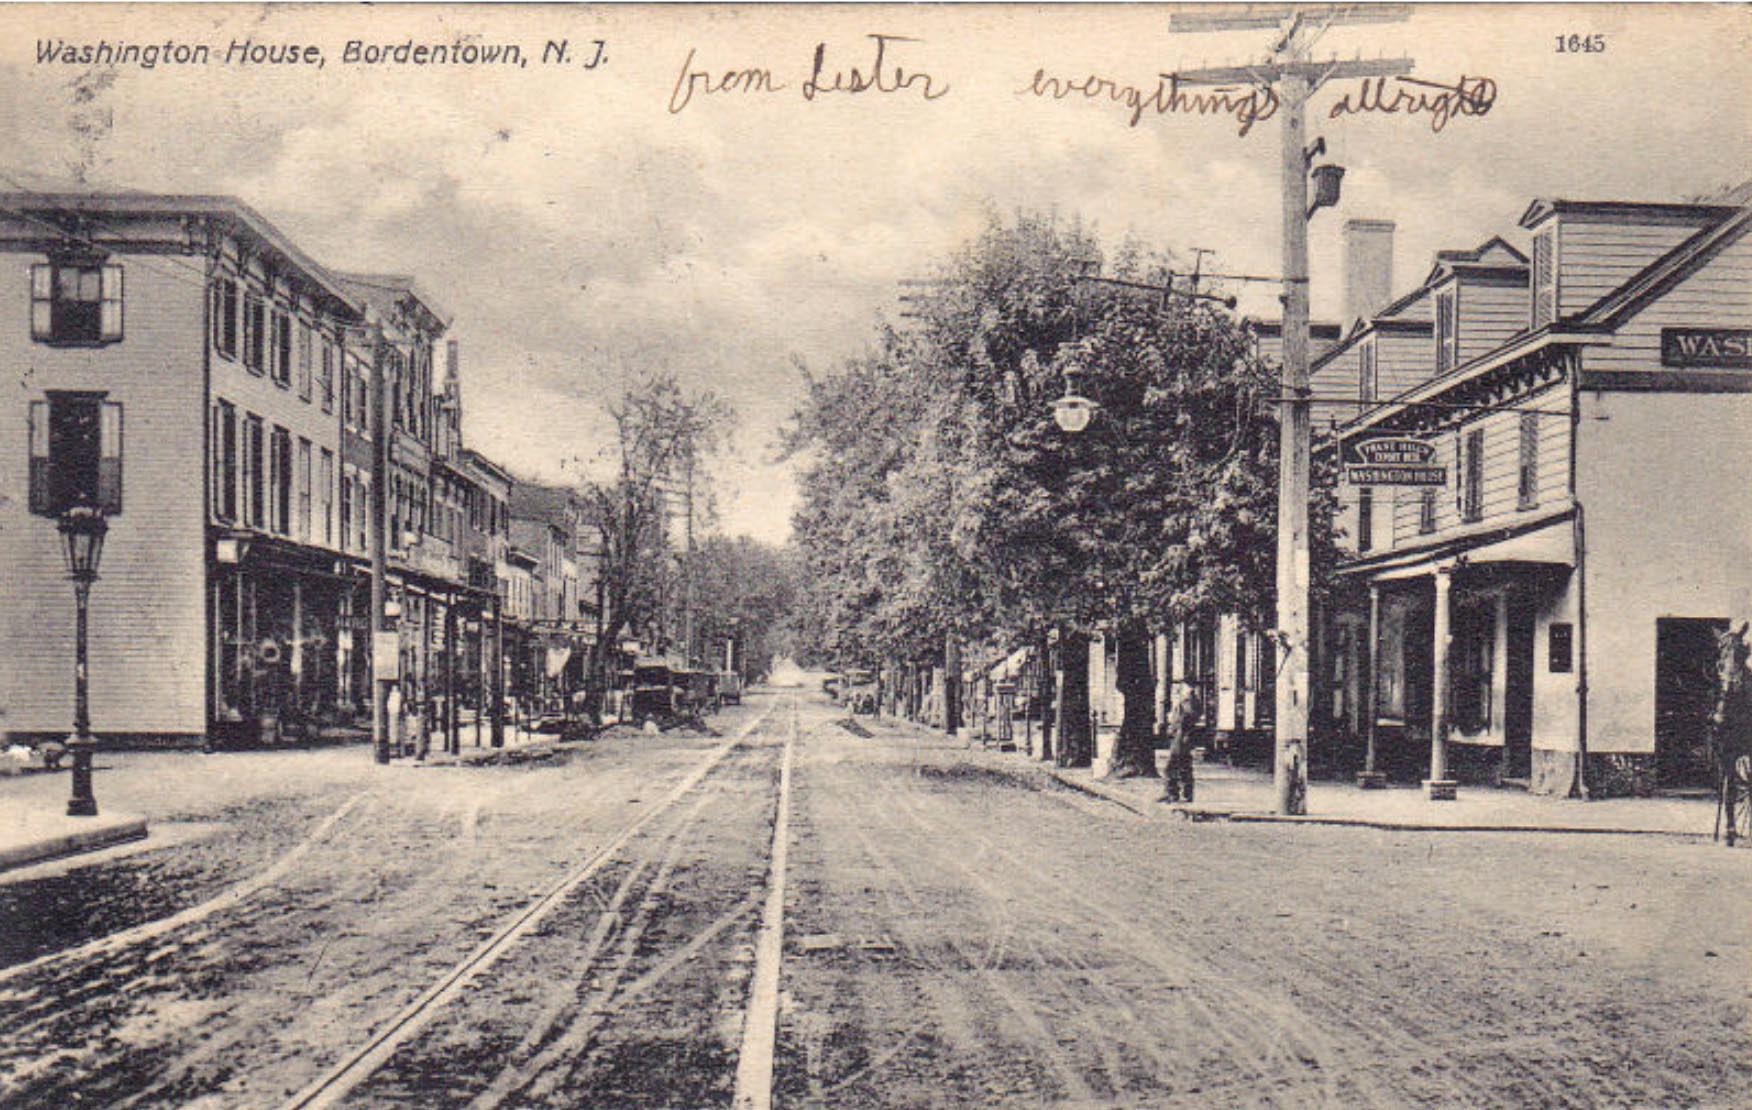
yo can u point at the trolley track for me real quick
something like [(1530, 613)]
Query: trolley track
[(541, 1066)]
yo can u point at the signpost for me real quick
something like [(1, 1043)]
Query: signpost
[(1393, 461)]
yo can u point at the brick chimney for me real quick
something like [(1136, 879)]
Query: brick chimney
[(1368, 268)]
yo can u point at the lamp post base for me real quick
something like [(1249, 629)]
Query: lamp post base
[(83, 802), (1372, 780), (1441, 790)]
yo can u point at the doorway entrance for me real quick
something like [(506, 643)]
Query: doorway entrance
[(1685, 690), (1518, 692)]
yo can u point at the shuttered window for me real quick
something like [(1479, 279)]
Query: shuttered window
[(328, 376), (305, 365), (1527, 490), (303, 478), (224, 451), (1472, 485), (1426, 510), (1365, 518), (225, 318), (252, 479), (325, 497), (1370, 375), (75, 303), (280, 365), (1447, 328), (75, 453), (254, 334), (1544, 279), (280, 481)]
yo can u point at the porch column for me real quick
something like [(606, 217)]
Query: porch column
[(452, 737), (497, 687), (1439, 787), (1370, 778)]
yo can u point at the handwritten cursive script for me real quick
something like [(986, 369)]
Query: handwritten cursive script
[(1469, 96), (1247, 104), (877, 79), (706, 83), (882, 74)]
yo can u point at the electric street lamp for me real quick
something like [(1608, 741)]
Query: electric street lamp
[(82, 531), (1073, 411)]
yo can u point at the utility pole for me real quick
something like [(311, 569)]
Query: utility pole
[(381, 627), (1295, 78), (687, 597)]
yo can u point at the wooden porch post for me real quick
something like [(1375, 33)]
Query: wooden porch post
[(1439, 787), (1371, 778)]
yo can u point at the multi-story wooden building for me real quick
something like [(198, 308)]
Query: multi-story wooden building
[(214, 344), (234, 600), (1547, 615)]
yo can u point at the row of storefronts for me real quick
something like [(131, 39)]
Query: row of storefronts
[(269, 415), (1541, 607)]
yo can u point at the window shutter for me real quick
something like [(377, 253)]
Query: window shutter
[(39, 459), (1544, 280), (109, 458), (110, 319), (42, 300)]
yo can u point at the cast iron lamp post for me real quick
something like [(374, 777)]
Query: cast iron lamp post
[(82, 530)]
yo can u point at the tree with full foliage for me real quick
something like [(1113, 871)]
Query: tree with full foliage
[(745, 591), (659, 429), (941, 497)]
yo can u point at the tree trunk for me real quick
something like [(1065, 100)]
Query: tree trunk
[(1043, 693), (1076, 739), (1134, 752), (951, 685)]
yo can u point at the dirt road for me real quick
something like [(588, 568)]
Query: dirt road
[(959, 930), (1022, 943)]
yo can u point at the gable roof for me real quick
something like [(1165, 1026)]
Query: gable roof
[(1628, 211), (1665, 272), (1493, 255)]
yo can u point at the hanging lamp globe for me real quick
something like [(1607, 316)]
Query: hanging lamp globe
[(1073, 411)]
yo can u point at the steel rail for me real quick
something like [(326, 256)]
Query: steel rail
[(360, 1064)]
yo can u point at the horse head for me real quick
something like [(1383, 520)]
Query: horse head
[(1732, 652)]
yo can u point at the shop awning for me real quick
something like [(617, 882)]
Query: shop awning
[(1551, 546)]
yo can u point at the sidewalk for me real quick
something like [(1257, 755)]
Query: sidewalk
[(33, 830), (1237, 794)]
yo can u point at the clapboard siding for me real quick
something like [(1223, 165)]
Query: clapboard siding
[(1406, 359), (147, 626), (285, 406), (1490, 315), (1719, 295), (1595, 258), (1501, 472)]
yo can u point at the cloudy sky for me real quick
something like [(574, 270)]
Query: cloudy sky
[(581, 229)]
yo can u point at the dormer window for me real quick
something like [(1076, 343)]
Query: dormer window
[(1544, 279), (1447, 331), (76, 303)]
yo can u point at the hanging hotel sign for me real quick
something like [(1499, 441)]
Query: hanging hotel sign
[(1392, 461), (1730, 348)]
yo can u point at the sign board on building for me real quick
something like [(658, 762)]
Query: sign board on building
[(386, 656), (1719, 347), (1392, 461)]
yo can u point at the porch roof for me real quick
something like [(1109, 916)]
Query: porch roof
[(1546, 545)]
